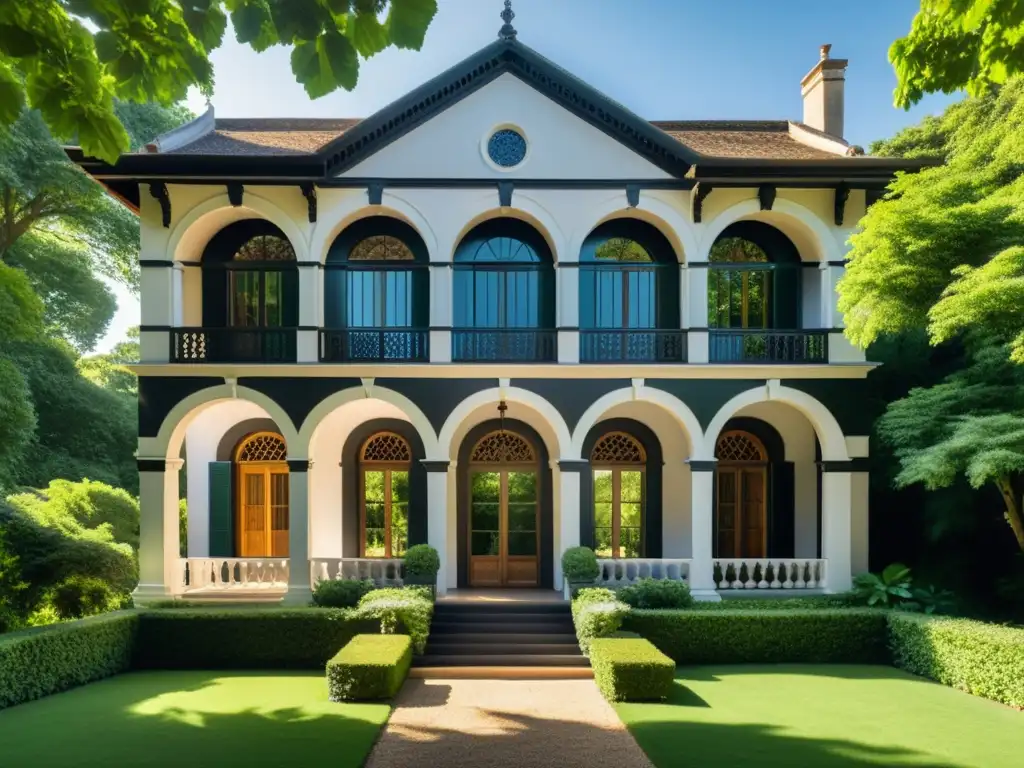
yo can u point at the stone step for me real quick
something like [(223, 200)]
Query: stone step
[(459, 648), (503, 660)]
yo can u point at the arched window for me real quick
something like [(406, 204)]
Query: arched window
[(376, 293), (384, 463), (629, 288), (261, 496), (503, 294), (741, 495), (619, 462)]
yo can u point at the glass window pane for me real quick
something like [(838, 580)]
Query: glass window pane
[(484, 517), (375, 543), (273, 298), (373, 485), (522, 517), (243, 299), (630, 515), (522, 486), (631, 485), (399, 486), (602, 485), (399, 529), (603, 515), (522, 543), (484, 543), (485, 486), (629, 542), (603, 542)]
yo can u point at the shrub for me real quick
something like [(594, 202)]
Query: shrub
[(369, 667), (85, 509), (847, 636), (656, 593), (811, 602), (38, 662), (341, 593), (422, 560), (596, 613), (401, 610), (983, 659), (631, 670), (579, 564), (80, 596), (246, 638)]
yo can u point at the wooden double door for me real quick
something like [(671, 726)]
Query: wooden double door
[(741, 510), (504, 535), (262, 509)]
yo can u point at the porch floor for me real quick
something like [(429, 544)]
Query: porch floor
[(486, 596)]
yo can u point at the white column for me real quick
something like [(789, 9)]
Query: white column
[(830, 273), (160, 574), (859, 522), (567, 284), (567, 533), (684, 296), (836, 498), (437, 517), (307, 339), (697, 312), (299, 589), (156, 294), (440, 312), (702, 487)]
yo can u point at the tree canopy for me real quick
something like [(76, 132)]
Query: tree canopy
[(70, 59), (959, 44)]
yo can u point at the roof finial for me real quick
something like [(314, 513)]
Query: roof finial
[(507, 31), (825, 50)]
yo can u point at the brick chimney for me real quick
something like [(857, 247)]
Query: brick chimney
[(823, 91)]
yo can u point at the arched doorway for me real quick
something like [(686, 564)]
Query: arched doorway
[(504, 489), (384, 464), (619, 462), (741, 496), (261, 502)]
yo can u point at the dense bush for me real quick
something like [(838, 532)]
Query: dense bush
[(85, 509), (656, 593), (596, 612), (422, 562), (810, 602), (340, 593), (38, 662), (240, 638), (983, 659), (631, 670), (579, 564), (401, 610), (80, 596), (369, 667), (847, 636)]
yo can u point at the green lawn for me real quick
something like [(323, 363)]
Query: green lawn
[(185, 719), (822, 715)]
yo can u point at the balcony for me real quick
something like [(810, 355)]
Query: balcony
[(767, 346), (504, 345), (634, 345), (382, 345), (233, 345)]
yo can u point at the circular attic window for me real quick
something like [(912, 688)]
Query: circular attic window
[(506, 148)]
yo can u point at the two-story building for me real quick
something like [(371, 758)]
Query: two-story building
[(503, 316)]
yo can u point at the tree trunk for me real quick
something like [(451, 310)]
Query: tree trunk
[(1013, 514)]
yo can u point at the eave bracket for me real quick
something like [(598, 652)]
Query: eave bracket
[(159, 192), (842, 194), (309, 192), (700, 192)]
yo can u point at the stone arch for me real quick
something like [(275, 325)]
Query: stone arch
[(827, 429), (811, 236), (659, 214), (336, 219)]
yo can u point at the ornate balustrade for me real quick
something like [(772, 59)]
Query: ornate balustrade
[(233, 345), (770, 573), (504, 345), (224, 573), (632, 345), (385, 345), (621, 572), (766, 346), (383, 571)]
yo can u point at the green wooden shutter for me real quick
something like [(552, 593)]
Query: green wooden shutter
[(222, 510)]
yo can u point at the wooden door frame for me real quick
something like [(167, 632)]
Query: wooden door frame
[(617, 469), (502, 469), (266, 469), (738, 468), (387, 467)]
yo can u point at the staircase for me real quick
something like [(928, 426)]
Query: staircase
[(515, 640)]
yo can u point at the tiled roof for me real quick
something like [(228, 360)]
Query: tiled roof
[(267, 137), (762, 139)]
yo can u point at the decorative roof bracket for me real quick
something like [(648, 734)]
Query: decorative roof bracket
[(505, 189), (842, 194), (375, 193), (633, 195), (159, 192), (766, 196), (235, 192), (700, 192), (309, 192)]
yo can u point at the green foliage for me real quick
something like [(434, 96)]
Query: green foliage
[(85, 510), (401, 610), (245, 638), (631, 670), (17, 421), (154, 51), (982, 659), (21, 310), (341, 593), (848, 636), (37, 662), (111, 371), (596, 612), (81, 596), (811, 602), (888, 589), (422, 560), (369, 667), (958, 44), (579, 564), (656, 593)]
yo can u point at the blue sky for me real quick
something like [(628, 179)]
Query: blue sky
[(663, 59)]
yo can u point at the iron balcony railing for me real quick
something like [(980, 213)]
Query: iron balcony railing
[(385, 345), (233, 345), (504, 345), (767, 346), (632, 345)]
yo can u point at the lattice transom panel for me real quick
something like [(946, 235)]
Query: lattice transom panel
[(503, 446), (381, 248), (387, 446), (266, 248), (739, 446), (263, 447), (618, 448)]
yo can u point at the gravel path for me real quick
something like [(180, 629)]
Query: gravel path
[(514, 723)]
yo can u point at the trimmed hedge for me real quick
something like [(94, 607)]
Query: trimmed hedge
[(846, 636), (370, 667), (341, 593), (596, 612), (631, 670), (264, 638), (983, 659), (401, 610), (37, 662)]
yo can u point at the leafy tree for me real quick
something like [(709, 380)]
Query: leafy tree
[(83, 510), (957, 44), (21, 320), (153, 50), (110, 370)]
